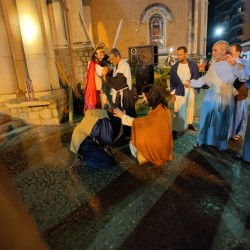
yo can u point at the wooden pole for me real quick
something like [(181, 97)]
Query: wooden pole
[(72, 65), (118, 33)]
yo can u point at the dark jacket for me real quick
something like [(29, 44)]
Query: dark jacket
[(175, 81)]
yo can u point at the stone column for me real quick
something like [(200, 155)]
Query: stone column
[(193, 27), (57, 23), (87, 19), (204, 12), (15, 40), (8, 83), (33, 44), (48, 43)]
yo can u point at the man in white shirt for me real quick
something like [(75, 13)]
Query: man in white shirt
[(183, 97)]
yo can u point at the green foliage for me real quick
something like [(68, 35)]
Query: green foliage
[(163, 71), (161, 77)]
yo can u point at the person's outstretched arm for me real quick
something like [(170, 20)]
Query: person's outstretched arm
[(126, 120)]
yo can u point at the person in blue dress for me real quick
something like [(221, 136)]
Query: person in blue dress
[(246, 146), (217, 105), (245, 65), (240, 105)]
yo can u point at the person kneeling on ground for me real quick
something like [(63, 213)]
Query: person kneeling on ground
[(91, 138), (151, 139)]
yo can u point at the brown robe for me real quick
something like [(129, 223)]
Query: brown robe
[(242, 92), (152, 135)]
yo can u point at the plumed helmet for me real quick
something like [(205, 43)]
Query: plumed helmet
[(100, 48)]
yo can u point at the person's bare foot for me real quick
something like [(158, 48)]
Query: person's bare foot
[(192, 127)]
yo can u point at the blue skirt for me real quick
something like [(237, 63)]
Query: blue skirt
[(246, 146), (215, 119), (94, 155)]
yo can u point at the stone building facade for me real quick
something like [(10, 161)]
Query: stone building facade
[(51, 41), (180, 22)]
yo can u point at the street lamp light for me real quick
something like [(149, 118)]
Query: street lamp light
[(218, 32), (171, 51)]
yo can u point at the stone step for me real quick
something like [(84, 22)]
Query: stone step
[(4, 118), (11, 126)]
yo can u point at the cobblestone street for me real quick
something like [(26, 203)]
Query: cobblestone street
[(200, 200)]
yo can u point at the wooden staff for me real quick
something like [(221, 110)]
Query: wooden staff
[(118, 33), (72, 66)]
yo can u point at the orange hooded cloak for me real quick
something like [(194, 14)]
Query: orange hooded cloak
[(152, 135)]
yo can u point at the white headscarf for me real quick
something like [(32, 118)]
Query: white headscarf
[(123, 67)]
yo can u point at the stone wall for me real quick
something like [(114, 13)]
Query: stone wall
[(81, 57), (48, 108)]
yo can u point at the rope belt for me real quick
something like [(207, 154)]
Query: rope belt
[(114, 92)]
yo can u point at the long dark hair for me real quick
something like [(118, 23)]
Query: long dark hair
[(154, 96), (98, 49)]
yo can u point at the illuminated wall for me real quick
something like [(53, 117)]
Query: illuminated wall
[(33, 44), (8, 83)]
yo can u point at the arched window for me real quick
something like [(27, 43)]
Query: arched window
[(157, 16), (156, 31)]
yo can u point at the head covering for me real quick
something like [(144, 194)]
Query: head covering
[(100, 48), (84, 128)]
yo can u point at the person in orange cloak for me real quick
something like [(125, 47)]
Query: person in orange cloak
[(151, 139)]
